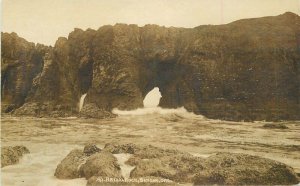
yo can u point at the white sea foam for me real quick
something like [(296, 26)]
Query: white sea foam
[(81, 101), (158, 112), (38, 167), (150, 110), (125, 169)]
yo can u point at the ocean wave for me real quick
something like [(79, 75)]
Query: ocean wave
[(180, 112)]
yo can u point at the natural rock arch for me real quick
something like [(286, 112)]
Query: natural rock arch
[(245, 70)]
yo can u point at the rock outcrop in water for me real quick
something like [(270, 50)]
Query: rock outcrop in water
[(179, 167), (245, 70), (70, 165), (243, 169), (90, 161), (11, 155)]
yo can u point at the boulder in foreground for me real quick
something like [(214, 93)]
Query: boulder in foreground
[(176, 167), (243, 169), (70, 165), (90, 161), (102, 164), (11, 155)]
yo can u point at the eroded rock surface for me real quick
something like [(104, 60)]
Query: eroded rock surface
[(101, 164), (70, 165), (21, 61), (90, 161), (91, 149), (243, 169), (179, 167), (222, 168), (12, 155), (245, 70)]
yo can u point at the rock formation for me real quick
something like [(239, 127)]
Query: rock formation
[(21, 61), (70, 165), (243, 169), (245, 70), (176, 167), (11, 155)]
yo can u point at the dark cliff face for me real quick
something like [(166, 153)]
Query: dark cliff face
[(252, 68), (245, 70), (21, 61)]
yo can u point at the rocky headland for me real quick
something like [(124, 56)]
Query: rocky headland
[(246, 70)]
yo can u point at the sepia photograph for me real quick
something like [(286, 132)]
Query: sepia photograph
[(150, 92)]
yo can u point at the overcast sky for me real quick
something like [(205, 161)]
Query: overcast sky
[(44, 21)]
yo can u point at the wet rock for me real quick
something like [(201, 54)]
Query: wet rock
[(176, 167), (93, 111), (173, 118), (243, 169), (12, 155), (46, 109), (91, 149), (141, 151), (153, 167), (70, 165), (124, 148), (162, 163), (28, 109), (275, 126), (102, 164), (226, 168), (90, 161), (20, 150)]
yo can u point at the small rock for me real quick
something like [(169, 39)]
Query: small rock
[(11, 155), (93, 111), (91, 149), (21, 150), (124, 148), (275, 126)]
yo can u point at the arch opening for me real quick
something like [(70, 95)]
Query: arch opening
[(152, 99)]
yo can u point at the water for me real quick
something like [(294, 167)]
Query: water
[(180, 112), (38, 167), (50, 140), (125, 169), (81, 101)]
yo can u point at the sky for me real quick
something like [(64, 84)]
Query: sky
[(43, 21)]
